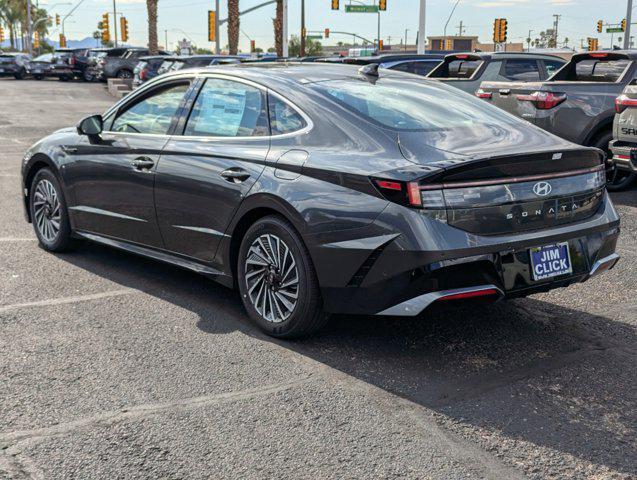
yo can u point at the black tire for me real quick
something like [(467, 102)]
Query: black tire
[(62, 241), (616, 179), (124, 74), (38, 77), (307, 316), (20, 75)]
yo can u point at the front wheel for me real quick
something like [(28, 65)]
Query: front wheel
[(277, 281), (617, 179), (48, 212)]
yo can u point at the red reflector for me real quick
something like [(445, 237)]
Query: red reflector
[(478, 293), (598, 55), (462, 57), (389, 185), (482, 94), (413, 193), (623, 157)]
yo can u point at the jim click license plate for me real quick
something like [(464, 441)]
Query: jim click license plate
[(550, 261)]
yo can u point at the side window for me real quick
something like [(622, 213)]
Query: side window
[(283, 118), (152, 115), (523, 70), (404, 67), (225, 108), (552, 67), (423, 68)]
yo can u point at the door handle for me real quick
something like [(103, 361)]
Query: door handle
[(143, 164), (235, 175)]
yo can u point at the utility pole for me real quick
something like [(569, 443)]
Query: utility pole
[(461, 29), (166, 36), (629, 14), (421, 27), (528, 41), (115, 20), (302, 54), (555, 25), (29, 30), (378, 30), (406, 30), (217, 39), (284, 29)]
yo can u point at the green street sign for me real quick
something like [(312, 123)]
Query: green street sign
[(614, 30), (361, 8), (314, 37)]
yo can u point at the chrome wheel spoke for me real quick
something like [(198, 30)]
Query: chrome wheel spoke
[(272, 278), (47, 210)]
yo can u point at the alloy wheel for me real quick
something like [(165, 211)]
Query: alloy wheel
[(47, 211), (272, 278)]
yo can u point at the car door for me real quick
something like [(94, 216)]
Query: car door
[(211, 164), (112, 176)]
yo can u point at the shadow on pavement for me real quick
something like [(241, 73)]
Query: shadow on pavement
[(626, 197), (524, 370)]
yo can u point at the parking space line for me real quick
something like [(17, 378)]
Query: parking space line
[(65, 300), (18, 239)]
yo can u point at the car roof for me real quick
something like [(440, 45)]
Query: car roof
[(491, 55)]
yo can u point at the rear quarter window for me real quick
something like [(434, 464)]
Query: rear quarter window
[(463, 68), (599, 70), (523, 70)]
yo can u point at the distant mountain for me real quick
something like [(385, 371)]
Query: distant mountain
[(88, 42)]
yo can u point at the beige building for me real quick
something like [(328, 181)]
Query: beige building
[(467, 44)]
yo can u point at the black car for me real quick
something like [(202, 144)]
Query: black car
[(317, 188), (193, 61), (147, 69), (14, 65), (407, 62), (51, 65), (78, 59)]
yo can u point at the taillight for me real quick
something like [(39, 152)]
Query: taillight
[(142, 75), (73, 60), (598, 55), (623, 102), (543, 100), (412, 194), (482, 94)]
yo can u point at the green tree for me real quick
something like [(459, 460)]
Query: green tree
[(312, 47)]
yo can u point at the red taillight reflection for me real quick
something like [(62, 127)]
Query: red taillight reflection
[(543, 100), (465, 295), (623, 102), (482, 94), (413, 193)]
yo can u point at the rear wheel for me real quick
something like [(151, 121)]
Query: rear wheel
[(617, 179), (20, 74), (124, 74), (48, 212), (277, 281), (38, 77)]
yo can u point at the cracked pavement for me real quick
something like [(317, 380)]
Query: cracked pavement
[(113, 366)]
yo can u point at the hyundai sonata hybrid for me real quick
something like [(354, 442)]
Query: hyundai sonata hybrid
[(318, 188)]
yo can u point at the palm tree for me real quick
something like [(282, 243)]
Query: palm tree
[(151, 6), (278, 28), (12, 14), (233, 26)]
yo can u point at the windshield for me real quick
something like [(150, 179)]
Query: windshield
[(44, 58), (408, 105)]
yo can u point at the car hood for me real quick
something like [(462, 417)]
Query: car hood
[(478, 141)]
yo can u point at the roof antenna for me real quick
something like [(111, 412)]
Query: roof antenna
[(370, 70)]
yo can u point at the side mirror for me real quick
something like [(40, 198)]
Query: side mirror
[(91, 126)]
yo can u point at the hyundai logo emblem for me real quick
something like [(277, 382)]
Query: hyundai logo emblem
[(542, 189)]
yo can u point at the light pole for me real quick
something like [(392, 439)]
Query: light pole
[(217, 39), (284, 30), (421, 27), (30, 28), (115, 20), (629, 14), (302, 52), (406, 30)]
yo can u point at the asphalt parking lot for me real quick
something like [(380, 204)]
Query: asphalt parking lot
[(113, 366)]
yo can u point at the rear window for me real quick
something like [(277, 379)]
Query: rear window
[(409, 106), (600, 70), (458, 68), (525, 70)]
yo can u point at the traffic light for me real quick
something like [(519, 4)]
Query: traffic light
[(382, 5), (212, 21), (336, 5), (106, 29), (123, 23), (57, 19), (600, 26), (381, 44), (36, 40), (1, 34), (253, 46), (503, 30), (496, 31), (624, 25), (593, 44), (327, 33), (62, 41)]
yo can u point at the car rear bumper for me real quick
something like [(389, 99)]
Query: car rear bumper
[(8, 70), (403, 273), (624, 155)]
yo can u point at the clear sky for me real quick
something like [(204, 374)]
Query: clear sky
[(188, 18)]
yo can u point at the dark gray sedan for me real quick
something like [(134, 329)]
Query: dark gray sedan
[(320, 189)]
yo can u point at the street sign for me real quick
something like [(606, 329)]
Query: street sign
[(314, 37), (614, 30), (361, 8)]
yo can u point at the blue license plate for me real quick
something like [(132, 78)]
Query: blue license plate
[(550, 261)]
